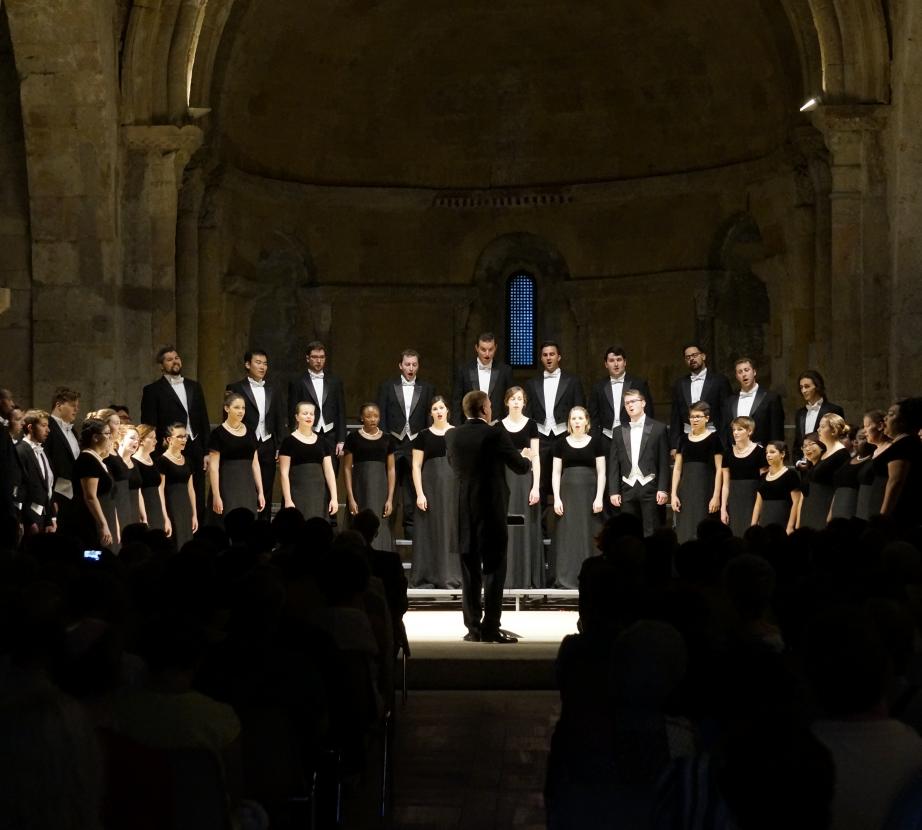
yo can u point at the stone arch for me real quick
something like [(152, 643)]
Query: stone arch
[(506, 255)]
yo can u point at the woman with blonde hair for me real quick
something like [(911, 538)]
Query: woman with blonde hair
[(306, 467), (817, 501), (152, 506), (578, 483)]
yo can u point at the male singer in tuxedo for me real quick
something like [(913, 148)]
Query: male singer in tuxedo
[(325, 391), (813, 387), (404, 406), (485, 373), (551, 396), (640, 478), (62, 447), (700, 384), (479, 454), (264, 417), (759, 403), (606, 400), (177, 400), (36, 487)]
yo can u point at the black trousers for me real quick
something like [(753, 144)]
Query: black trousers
[(482, 615), (405, 491), (265, 452), (641, 501)]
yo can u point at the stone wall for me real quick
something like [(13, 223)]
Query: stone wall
[(15, 253)]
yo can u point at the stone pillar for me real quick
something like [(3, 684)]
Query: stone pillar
[(153, 161), (857, 367)]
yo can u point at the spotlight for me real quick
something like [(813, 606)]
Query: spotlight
[(811, 104)]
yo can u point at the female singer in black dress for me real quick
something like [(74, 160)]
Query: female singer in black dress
[(778, 494), (817, 501), (578, 482), (436, 560), (93, 488), (126, 477), (696, 476), (181, 519), (898, 468), (868, 494), (233, 465), (525, 546), (847, 480), (152, 505), (368, 468), (741, 474), (306, 468)]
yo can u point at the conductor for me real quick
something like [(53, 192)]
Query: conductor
[(479, 454)]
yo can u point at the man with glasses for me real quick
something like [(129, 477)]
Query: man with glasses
[(639, 476), (700, 384)]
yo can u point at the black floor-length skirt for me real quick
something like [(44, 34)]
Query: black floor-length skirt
[(110, 504), (696, 488), (574, 537), (308, 490), (844, 503), (815, 508), (369, 486), (152, 507), (436, 560), (179, 509), (775, 512), (525, 549), (740, 501), (238, 487)]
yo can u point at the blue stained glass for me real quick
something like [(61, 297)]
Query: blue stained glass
[(520, 295)]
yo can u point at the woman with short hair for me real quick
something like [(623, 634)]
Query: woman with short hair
[(740, 475), (696, 475)]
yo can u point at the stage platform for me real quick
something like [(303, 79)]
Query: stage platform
[(440, 659)]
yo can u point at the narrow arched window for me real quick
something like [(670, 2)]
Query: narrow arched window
[(520, 313)]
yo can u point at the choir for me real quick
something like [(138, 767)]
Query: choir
[(721, 457)]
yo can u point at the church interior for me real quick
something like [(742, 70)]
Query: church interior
[(745, 175)]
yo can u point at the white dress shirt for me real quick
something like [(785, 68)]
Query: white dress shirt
[(813, 414), (68, 430), (635, 476), (317, 383), (44, 466), (484, 370), (617, 394), (744, 407), (258, 388), (551, 383), (408, 386), (697, 384), (179, 387)]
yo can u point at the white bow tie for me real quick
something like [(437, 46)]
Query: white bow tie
[(747, 394), (554, 374), (636, 424), (405, 382), (176, 381), (814, 407), (256, 382), (617, 380), (698, 377), (316, 375), (67, 427)]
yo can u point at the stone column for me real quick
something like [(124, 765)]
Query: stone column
[(154, 158), (857, 367)]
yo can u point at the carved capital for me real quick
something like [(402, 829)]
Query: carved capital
[(164, 140)]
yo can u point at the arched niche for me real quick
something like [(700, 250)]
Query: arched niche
[(529, 253)]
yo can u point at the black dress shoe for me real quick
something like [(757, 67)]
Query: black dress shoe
[(472, 637), (497, 637)]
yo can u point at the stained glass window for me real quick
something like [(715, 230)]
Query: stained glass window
[(520, 304)]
